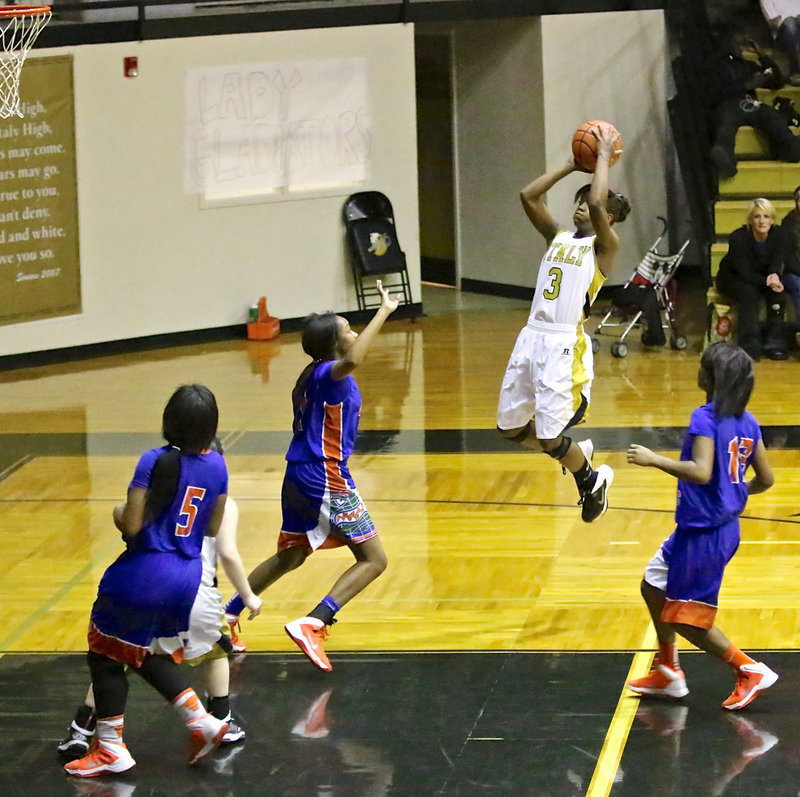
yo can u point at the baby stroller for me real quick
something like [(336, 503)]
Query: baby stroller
[(655, 272)]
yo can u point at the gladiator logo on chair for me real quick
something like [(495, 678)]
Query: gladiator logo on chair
[(379, 243)]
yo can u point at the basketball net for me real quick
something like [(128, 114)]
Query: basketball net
[(19, 28)]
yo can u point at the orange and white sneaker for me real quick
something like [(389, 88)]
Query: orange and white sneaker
[(236, 643), (104, 758), (206, 735), (751, 681), (661, 681), (309, 633)]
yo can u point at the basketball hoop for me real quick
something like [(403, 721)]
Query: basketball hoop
[(19, 27)]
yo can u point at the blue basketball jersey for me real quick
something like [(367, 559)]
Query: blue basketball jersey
[(325, 418), (181, 526), (725, 496)]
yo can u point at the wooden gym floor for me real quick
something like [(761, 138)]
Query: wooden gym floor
[(488, 659)]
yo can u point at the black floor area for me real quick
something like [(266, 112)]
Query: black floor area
[(417, 724), (693, 748)]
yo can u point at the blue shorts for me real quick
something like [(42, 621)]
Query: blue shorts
[(143, 605), (689, 567), (317, 515)]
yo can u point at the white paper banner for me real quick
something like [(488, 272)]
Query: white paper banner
[(270, 129)]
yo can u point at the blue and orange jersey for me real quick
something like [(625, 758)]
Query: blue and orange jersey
[(725, 496), (325, 418), (180, 528)]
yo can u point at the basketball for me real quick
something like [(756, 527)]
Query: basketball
[(584, 145)]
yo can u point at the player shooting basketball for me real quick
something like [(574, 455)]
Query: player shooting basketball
[(549, 374)]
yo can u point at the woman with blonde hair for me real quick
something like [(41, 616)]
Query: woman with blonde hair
[(750, 276)]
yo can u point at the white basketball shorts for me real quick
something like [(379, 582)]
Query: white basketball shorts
[(547, 373)]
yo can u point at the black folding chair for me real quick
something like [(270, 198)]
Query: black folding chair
[(374, 249)]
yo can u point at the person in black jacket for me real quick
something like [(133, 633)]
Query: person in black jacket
[(733, 71), (750, 275), (791, 262)]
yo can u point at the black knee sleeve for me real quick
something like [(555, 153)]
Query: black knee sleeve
[(521, 436), (164, 676), (110, 685), (560, 451)]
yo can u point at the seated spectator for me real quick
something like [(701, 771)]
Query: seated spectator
[(791, 259), (731, 78), (783, 17), (749, 275)]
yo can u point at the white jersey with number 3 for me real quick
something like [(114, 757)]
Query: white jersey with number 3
[(568, 281)]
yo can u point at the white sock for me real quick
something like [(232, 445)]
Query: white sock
[(109, 730), (189, 706)]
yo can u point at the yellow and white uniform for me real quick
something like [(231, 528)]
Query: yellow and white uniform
[(551, 365), (207, 618)]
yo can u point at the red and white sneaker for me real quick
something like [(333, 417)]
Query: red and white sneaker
[(661, 681), (309, 633), (751, 681), (206, 735), (104, 758), (314, 723), (236, 642)]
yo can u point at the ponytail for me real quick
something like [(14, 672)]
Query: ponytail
[(164, 482), (299, 400)]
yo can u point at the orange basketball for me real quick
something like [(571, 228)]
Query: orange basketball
[(584, 145)]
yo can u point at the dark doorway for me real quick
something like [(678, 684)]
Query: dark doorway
[(435, 157)]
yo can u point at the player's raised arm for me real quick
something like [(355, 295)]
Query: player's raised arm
[(357, 350), (535, 208), (607, 242)]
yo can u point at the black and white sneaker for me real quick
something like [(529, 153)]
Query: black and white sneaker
[(594, 501), (76, 743), (234, 732)]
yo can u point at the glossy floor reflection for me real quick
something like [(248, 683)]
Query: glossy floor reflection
[(692, 747), (415, 725)]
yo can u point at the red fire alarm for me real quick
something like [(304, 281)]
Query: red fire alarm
[(130, 66)]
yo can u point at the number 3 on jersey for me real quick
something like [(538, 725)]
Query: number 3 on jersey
[(191, 501), (554, 288), (739, 452)]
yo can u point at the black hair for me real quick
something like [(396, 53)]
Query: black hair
[(616, 204), (320, 333), (730, 379), (796, 192), (189, 425)]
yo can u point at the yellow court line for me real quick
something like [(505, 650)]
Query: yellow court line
[(617, 735)]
